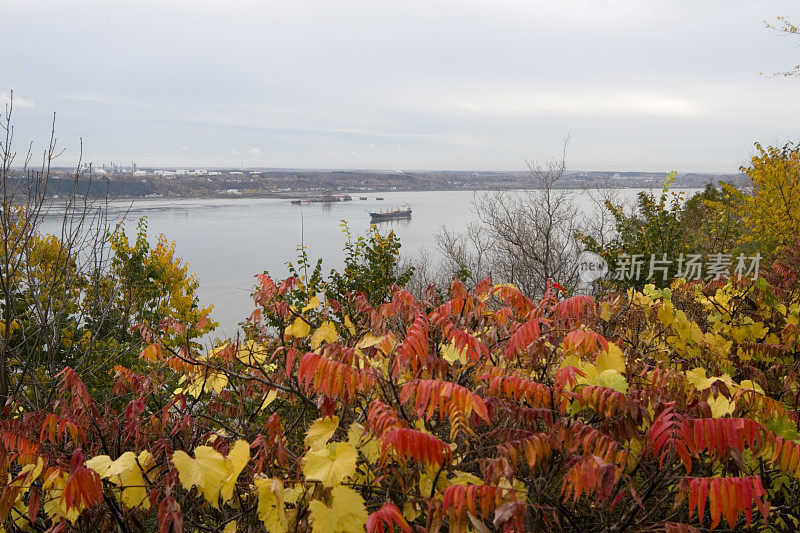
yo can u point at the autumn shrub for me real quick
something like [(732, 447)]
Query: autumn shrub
[(771, 214), (760, 217), (371, 269), (154, 286), (666, 228), (68, 304), (370, 266), (665, 409)]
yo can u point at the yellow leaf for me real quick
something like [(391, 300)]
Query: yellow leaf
[(299, 329), (367, 444), (739, 333), (499, 286), (126, 473), (205, 381), (634, 453), (464, 478), (53, 501), (293, 494), (451, 353), (230, 527), (237, 459), (218, 350), (216, 382), (99, 464), (665, 314), (410, 512), (330, 465), (518, 487), (363, 475), (325, 333), (605, 311), (345, 514), (6, 331), (426, 479), (148, 465), (271, 508), (751, 385), (313, 303), (269, 398), (758, 330), (210, 472), (697, 377), (321, 432), (206, 471), (134, 492), (721, 406), (611, 360), (349, 325), (19, 516), (385, 343), (31, 471), (367, 341), (252, 354), (22, 481)]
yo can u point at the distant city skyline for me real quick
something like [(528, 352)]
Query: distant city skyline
[(648, 86)]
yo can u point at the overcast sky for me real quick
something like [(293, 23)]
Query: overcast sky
[(485, 85)]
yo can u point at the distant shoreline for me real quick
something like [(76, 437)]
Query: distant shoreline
[(301, 195), (293, 185)]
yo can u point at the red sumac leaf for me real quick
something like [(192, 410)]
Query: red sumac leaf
[(415, 444), (728, 497), (385, 519)]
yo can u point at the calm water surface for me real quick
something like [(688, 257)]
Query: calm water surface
[(226, 242)]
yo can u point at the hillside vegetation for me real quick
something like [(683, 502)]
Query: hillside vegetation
[(351, 404)]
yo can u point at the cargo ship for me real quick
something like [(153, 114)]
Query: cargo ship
[(391, 214)]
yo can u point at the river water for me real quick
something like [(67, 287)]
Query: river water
[(226, 242)]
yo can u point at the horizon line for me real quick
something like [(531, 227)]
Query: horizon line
[(394, 170)]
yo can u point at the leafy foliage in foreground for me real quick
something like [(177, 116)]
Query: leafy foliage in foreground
[(656, 410)]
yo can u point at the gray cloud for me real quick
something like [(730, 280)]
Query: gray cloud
[(468, 84)]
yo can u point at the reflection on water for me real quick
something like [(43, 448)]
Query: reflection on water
[(393, 224)]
